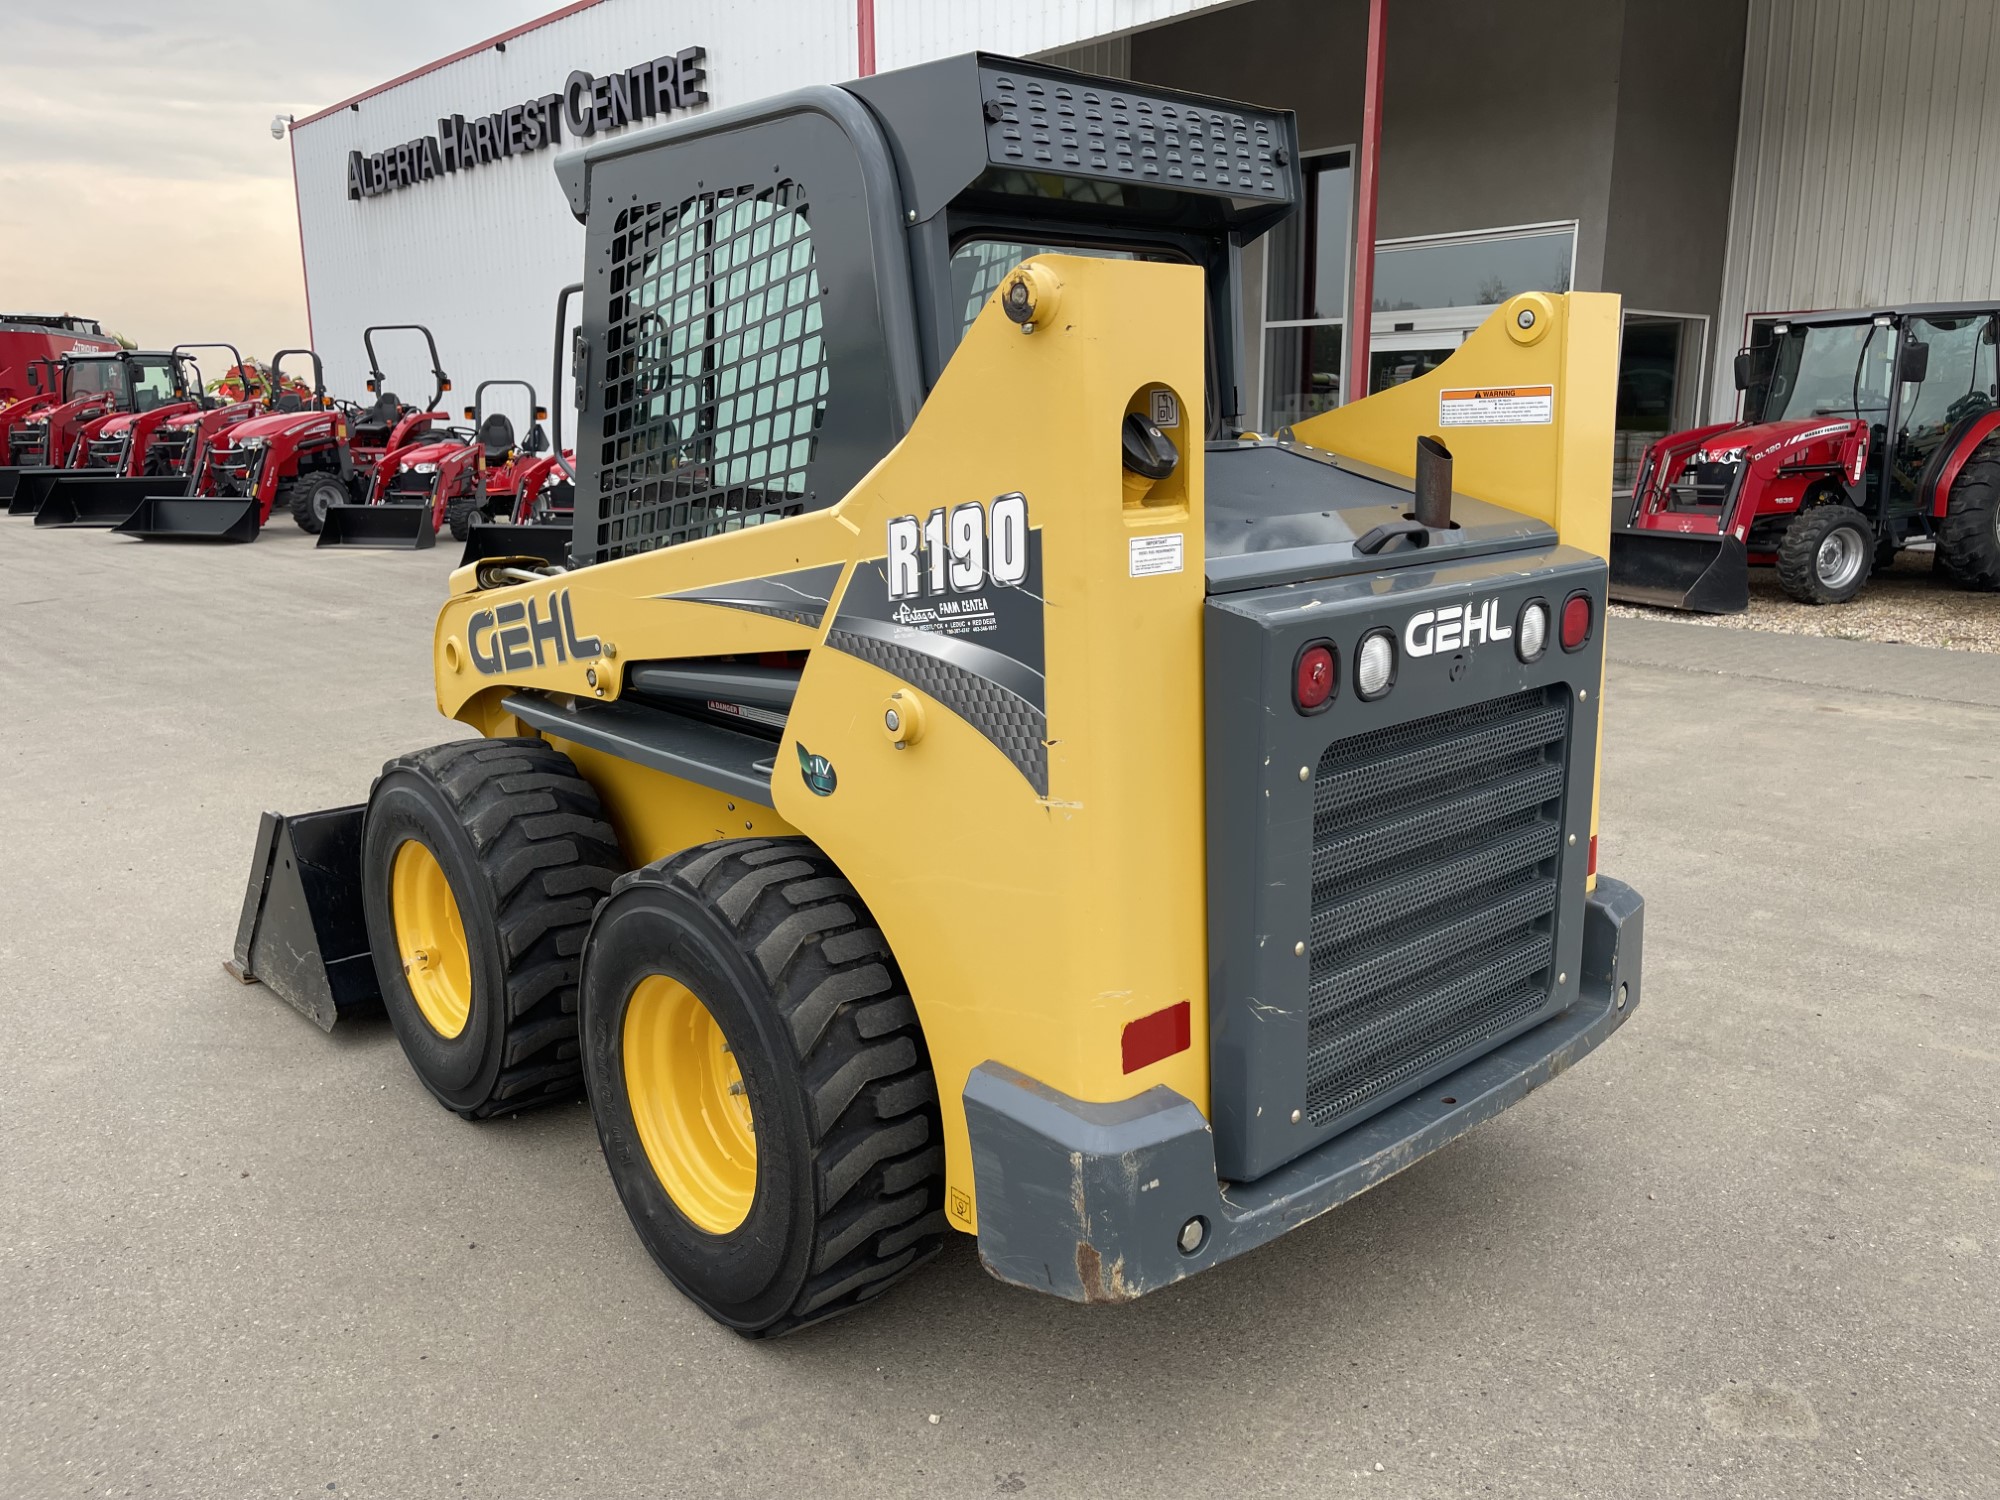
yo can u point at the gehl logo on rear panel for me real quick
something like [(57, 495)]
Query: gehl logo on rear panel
[(1455, 627), (517, 636)]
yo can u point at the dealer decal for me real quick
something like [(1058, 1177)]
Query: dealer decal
[(517, 636), (953, 608)]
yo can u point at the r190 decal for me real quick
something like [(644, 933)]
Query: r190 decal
[(960, 551)]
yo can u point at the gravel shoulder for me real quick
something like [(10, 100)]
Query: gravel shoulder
[(1907, 604)]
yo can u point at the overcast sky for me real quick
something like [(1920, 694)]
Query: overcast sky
[(139, 183)]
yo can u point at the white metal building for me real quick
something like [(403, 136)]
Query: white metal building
[(478, 253), (1709, 160)]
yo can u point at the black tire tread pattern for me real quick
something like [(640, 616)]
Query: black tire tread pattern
[(877, 1142), (1799, 550), (549, 856), (459, 511), (1968, 543), (297, 498)]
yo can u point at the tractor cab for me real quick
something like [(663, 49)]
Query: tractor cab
[(1856, 428)]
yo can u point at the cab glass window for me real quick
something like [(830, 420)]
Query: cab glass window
[(1959, 381)]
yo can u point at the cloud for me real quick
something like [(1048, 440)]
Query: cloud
[(139, 183)]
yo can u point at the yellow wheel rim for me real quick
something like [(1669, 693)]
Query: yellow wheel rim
[(430, 937), (690, 1104)]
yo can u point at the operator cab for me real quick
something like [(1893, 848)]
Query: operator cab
[(1924, 374)]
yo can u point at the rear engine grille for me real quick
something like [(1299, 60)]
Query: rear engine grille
[(1434, 867)]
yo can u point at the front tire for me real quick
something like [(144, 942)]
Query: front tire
[(760, 1084), (462, 513), (481, 863), (1969, 540), (1825, 555), (312, 496)]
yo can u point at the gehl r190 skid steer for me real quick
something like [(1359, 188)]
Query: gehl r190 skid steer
[(962, 782)]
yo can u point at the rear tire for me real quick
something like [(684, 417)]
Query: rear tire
[(763, 954), (1825, 554), (312, 495), (481, 863), (1969, 541)]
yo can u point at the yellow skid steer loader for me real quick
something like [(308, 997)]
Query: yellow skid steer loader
[(962, 780)]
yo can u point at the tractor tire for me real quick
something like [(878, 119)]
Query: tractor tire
[(1825, 554), (481, 863), (462, 513), (1969, 541), (312, 494), (761, 1085)]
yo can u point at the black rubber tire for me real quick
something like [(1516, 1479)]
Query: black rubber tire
[(1798, 553), (850, 1155), (311, 495), (524, 845), (462, 513), (1969, 541)]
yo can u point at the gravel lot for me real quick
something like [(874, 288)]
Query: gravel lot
[(1745, 1250), (1906, 604)]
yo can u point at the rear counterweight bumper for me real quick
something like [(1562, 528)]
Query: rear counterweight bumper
[(1102, 1202)]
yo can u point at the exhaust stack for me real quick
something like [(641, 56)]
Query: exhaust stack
[(1433, 507)]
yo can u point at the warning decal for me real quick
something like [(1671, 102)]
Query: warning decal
[(1498, 406)]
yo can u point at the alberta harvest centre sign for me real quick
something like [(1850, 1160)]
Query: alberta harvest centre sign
[(587, 104)]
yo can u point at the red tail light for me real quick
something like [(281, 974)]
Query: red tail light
[(1160, 1035), (1314, 677), (1576, 622)]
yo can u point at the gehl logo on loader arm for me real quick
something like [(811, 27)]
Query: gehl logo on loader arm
[(516, 636)]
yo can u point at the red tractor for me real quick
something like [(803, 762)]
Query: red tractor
[(312, 456), (31, 339), (534, 485), (1862, 433), (524, 482), (387, 489), (130, 456), (92, 389), (248, 458)]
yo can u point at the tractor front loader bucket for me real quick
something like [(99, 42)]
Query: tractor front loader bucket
[(78, 499), (543, 541), (302, 933), (26, 489), (403, 526), (1701, 572), (183, 518)]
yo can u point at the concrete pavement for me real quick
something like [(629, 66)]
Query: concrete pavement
[(1750, 1248)]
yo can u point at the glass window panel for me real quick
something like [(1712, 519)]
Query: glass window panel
[(1387, 367), (1306, 256), (1959, 381), (1825, 370), (1331, 204), (1301, 373), (1472, 272)]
